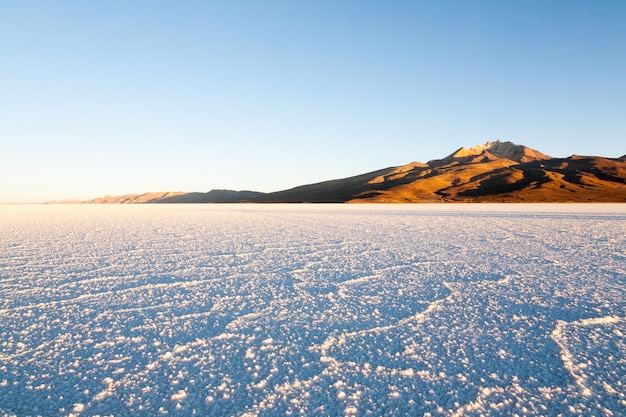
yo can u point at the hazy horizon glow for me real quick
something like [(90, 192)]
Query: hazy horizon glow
[(117, 97)]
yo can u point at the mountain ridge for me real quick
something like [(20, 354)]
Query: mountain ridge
[(177, 197), (492, 172), (491, 151)]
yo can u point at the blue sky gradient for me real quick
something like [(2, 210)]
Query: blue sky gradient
[(123, 97)]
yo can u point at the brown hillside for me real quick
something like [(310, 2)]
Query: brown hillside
[(575, 179), (492, 172), (133, 198)]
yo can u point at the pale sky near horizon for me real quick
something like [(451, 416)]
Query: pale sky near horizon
[(117, 97)]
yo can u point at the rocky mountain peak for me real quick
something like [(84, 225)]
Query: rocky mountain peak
[(498, 149)]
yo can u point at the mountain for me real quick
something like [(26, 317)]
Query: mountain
[(492, 172), (491, 151), (213, 196)]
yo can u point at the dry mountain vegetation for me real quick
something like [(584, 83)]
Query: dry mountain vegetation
[(493, 172)]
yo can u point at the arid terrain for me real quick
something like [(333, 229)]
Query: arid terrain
[(500, 172)]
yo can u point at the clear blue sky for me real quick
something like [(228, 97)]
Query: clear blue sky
[(115, 97)]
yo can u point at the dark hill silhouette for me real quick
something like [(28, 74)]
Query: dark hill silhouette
[(213, 196)]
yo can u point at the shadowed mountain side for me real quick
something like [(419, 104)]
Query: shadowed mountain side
[(213, 196), (333, 191)]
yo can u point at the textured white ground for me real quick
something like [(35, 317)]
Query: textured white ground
[(264, 310)]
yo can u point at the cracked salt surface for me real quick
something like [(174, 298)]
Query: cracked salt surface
[(272, 310)]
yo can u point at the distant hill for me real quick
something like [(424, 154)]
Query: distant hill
[(491, 172), (213, 196)]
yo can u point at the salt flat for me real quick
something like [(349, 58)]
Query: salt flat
[(272, 310)]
